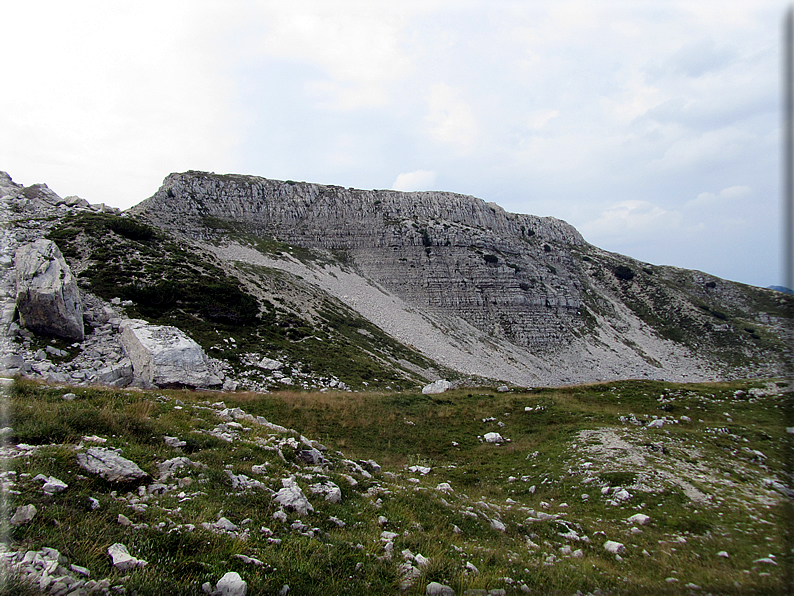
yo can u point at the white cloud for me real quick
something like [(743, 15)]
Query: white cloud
[(540, 118), (418, 180), (356, 45), (112, 97), (710, 199), (450, 119), (693, 150), (630, 221)]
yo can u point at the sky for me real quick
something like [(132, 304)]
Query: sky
[(652, 126)]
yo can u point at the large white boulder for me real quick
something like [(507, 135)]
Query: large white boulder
[(164, 356), (439, 386), (47, 298)]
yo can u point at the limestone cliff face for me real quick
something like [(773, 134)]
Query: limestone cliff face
[(539, 299), (510, 275)]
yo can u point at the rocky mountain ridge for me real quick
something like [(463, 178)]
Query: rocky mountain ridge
[(526, 282), (386, 288)]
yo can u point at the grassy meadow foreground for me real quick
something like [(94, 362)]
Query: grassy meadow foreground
[(530, 512)]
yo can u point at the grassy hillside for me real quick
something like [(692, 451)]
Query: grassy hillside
[(513, 517), (227, 308)]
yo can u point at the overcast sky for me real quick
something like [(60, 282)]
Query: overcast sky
[(652, 126)]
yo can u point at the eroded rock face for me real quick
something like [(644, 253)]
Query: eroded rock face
[(507, 274), (48, 300), (164, 356)]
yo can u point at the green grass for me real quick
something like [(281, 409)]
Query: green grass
[(549, 460)]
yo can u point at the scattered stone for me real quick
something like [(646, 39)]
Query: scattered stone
[(242, 482), (388, 536), (68, 396), (614, 548), (174, 442), (331, 491), (437, 589), (503, 389), (249, 560), (498, 525), (80, 570), (122, 559), (23, 515), (169, 467), (269, 364), (51, 484), (231, 584), (292, 497), (723, 554), (493, 438), (109, 465), (225, 525), (370, 465), (640, 519)]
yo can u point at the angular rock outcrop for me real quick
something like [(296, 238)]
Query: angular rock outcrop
[(48, 300), (164, 356)]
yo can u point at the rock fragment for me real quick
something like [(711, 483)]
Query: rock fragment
[(23, 515), (109, 465), (122, 559), (291, 496), (437, 589), (614, 548)]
